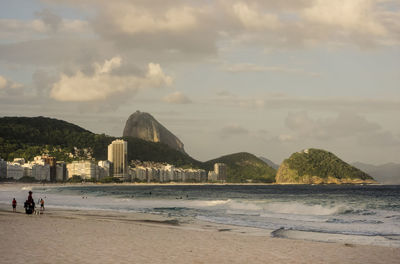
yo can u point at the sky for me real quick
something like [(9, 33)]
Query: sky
[(266, 77)]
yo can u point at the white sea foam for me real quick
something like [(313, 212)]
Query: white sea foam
[(302, 209)]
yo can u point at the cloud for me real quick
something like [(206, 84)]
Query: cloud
[(343, 126), (10, 87), (46, 24), (177, 98), (160, 26), (233, 130), (356, 16), (250, 67), (284, 101), (251, 18), (135, 20), (104, 85), (179, 30), (379, 139), (286, 138), (50, 19)]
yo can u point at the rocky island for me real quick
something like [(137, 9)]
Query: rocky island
[(316, 166)]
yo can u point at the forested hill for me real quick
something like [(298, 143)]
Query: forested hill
[(244, 167), (42, 130), (27, 137), (319, 166)]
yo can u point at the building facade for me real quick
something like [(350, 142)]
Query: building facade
[(105, 169), (14, 171), (52, 162), (118, 155), (219, 174), (3, 168), (85, 169), (61, 171)]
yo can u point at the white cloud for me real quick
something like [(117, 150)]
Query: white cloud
[(252, 19), (132, 19), (9, 86), (103, 84), (348, 16), (177, 98)]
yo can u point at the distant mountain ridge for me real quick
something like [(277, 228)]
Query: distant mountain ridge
[(270, 163), (243, 163), (388, 173), (144, 126), (316, 166)]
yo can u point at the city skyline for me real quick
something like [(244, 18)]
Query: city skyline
[(265, 77)]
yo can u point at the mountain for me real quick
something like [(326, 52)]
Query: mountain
[(244, 167), (316, 166), (28, 137), (145, 126), (386, 174), (269, 163)]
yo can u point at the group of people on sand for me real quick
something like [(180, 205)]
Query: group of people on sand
[(29, 205)]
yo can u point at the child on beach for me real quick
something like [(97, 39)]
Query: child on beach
[(14, 205), (41, 205)]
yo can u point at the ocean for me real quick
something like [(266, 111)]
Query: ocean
[(364, 214)]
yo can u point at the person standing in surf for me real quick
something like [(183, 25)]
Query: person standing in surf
[(14, 205), (41, 204)]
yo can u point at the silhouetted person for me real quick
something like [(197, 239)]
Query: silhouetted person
[(29, 204), (14, 205)]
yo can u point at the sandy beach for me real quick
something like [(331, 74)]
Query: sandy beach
[(73, 236)]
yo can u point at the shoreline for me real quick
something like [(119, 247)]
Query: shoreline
[(95, 236), (181, 184)]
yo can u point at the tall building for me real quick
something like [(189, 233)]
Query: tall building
[(118, 155), (3, 168), (52, 162), (219, 174), (221, 170), (61, 171)]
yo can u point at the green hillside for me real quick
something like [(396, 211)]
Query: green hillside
[(244, 167), (27, 137), (319, 166)]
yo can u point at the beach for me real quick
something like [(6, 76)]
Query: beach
[(78, 236)]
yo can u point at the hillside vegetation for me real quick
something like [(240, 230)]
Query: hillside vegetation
[(28, 137), (244, 167), (319, 166)]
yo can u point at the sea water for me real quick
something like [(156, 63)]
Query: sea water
[(366, 214)]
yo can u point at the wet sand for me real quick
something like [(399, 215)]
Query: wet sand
[(73, 236)]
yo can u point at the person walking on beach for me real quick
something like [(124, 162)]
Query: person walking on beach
[(14, 205), (41, 204)]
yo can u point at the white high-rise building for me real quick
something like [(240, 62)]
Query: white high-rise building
[(118, 155), (86, 169)]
